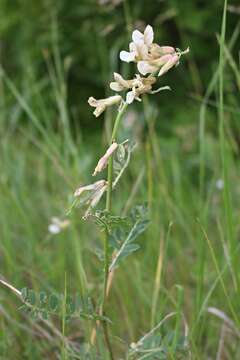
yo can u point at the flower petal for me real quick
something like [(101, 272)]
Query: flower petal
[(103, 161), (130, 97), (115, 86), (92, 101), (118, 78), (167, 50), (127, 56), (133, 47), (99, 110), (142, 51), (169, 64), (148, 35), (145, 68), (137, 36)]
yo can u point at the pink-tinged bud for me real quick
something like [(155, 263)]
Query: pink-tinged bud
[(102, 163), (163, 59), (167, 50), (169, 64)]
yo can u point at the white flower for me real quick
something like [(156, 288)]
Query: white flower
[(138, 48), (146, 37), (102, 104), (150, 57), (220, 184), (57, 225), (102, 163), (54, 228)]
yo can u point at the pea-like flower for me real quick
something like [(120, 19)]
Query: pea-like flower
[(163, 63), (151, 57), (139, 85), (139, 47), (153, 65), (102, 163), (102, 104)]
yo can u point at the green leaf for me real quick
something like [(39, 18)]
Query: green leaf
[(127, 248), (42, 298), (44, 315), (53, 302), (24, 293), (31, 297), (70, 305)]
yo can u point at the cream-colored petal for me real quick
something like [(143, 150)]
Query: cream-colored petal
[(115, 86), (127, 56), (132, 47), (142, 51), (81, 189), (155, 51), (145, 68), (118, 78), (130, 97), (148, 35), (92, 101), (137, 36), (167, 50), (163, 60), (97, 197), (103, 161), (92, 187), (172, 62), (99, 110), (111, 100)]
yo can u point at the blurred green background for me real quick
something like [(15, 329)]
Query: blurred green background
[(89, 35)]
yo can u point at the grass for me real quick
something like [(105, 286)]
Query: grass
[(188, 261)]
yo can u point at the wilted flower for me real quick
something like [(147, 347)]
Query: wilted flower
[(102, 104), (138, 86), (57, 225), (96, 190), (102, 163), (92, 187)]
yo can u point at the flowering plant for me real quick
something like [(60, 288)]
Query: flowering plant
[(152, 61)]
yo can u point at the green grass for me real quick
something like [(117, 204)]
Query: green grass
[(188, 261)]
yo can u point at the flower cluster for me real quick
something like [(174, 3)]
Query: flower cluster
[(152, 61)]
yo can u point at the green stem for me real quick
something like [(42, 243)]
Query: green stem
[(106, 239)]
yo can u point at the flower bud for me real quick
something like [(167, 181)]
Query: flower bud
[(102, 163), (169, 64)]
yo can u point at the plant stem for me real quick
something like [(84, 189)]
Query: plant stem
[(106, 239)]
